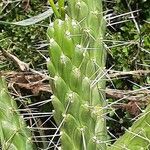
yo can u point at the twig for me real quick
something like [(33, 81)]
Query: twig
[(37, 83), (138, 30), (26, 5), (130, 95), (31, 79), (28, 81), (22, 65), (132, 107), (111, 73), (115, 74), (133, 17)]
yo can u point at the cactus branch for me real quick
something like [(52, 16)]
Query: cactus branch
[(13, 131), (54, 8), (77, 61)]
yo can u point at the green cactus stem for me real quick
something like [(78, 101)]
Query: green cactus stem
[(138, 136), (76, 66), (13, 130)]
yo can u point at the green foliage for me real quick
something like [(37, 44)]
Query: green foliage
[(74, 58), (130, 54), (22, 41)]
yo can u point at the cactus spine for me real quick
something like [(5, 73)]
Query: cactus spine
[(13, 131), (136, 137), (77, 61)]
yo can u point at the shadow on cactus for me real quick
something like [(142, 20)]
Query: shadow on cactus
[(77, 70)]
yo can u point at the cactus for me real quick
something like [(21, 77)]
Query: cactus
[(13, 131), (136, 137), (76, 66)]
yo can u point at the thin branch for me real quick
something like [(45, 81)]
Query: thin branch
[(130, 95), (115, 74), (33, 80), (21, 65), (133, 17), (37, 83)]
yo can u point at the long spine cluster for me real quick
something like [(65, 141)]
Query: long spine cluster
[(14, 134)]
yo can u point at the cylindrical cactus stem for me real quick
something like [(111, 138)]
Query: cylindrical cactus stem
[(14, 134), (77, 62)]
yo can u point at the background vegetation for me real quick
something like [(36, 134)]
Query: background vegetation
[(127, 43)]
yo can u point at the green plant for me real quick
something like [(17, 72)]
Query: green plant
[(136, 137), (77, 69), (22, 41), (14, 134), (77, 66)]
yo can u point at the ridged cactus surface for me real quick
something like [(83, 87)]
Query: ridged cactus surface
[(13, 132), (138, 136), (76, 66)]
